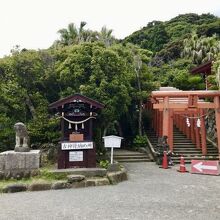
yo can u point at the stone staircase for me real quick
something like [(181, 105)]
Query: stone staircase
[(128, 156), (184, 146)]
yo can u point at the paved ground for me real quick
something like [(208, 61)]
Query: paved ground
[(150, 193)]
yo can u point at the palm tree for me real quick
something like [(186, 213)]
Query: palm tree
[(201, 49), (105, 36), (74, 35)]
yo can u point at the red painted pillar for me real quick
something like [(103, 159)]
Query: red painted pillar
[(177, 121), (166, 116), (197, 133), (170, 133), (156, 125), (203, 133), (217, 119), (192, 131), (187, 128), (161, 123), (154, 119), (183, 122)]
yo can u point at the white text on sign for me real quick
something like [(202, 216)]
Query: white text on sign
[(76, 145)]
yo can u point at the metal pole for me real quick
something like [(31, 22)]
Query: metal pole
[(112, 155)]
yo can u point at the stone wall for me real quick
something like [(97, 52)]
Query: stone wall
[(211, 126), (13, 164)]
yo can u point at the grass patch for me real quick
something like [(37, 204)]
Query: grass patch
[(47, 175), (44, 176)]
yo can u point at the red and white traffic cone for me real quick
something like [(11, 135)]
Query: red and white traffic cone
[(164, 163), (182, 165)]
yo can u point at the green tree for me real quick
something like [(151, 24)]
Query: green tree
[(73, 35), (201, 49)]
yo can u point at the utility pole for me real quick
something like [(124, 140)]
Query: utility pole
[(138, 66)]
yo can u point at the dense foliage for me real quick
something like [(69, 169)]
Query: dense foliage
[(119, 73)]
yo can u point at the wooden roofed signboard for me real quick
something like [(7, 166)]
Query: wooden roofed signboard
[(76, 98), (77, 113)]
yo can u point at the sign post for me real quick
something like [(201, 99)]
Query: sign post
[(205, 167), (112, 142)]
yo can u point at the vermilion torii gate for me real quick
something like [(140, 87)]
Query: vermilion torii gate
[(174, 107)]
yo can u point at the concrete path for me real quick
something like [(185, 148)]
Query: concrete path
[(150, 193)]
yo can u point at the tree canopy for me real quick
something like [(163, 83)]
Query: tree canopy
[(119, 73)]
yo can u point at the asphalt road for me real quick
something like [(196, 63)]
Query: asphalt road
[(150, 193)]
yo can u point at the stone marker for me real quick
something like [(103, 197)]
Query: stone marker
[(22, 161), (21, 137)]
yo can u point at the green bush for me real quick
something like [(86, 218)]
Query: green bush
[(104, 164), (140, 141)]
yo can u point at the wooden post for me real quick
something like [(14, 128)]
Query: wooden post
[(166, 117), (192, 121), (187, 129), (197, 134), (154, 120), (181, 123), (161, 124), (170, 133), (157, 122), (217, 119), (177, 121), (203, 133)]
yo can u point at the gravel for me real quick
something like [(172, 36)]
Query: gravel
[(150, 193)]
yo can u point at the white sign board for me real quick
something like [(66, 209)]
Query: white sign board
[(75, 156), (112, 141), (76, 145)]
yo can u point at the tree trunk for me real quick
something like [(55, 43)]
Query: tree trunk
[(30, 106), (140, 118), (140, 105)]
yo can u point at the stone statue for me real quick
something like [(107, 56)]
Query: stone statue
[(22, 138)]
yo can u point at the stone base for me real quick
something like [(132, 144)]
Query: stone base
[(19, 163), (22, 149)]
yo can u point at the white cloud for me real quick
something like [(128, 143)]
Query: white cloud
[(34, 23)]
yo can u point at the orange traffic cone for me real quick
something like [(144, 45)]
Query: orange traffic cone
[(182, 165), (164, 163)]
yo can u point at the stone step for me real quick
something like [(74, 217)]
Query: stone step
[(184, 146), (194, 152), (133, 160), (193, 148), (130, 156)]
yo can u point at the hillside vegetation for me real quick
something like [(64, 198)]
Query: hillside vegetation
[(119, 73)]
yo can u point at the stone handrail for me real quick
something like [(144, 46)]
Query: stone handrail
[(152, 152)]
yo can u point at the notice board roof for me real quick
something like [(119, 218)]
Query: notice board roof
[(203, 68), (76, 98)]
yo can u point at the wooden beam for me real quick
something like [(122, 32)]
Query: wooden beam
[(201, 93), (185, 106)]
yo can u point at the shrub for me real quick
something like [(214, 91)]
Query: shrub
[(140, 141)]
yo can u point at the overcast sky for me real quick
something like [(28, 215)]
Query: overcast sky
[(33, 24)]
